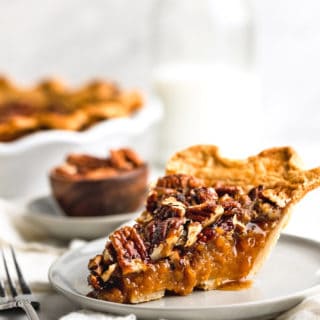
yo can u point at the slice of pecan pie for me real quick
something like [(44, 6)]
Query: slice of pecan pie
[(209, 222)]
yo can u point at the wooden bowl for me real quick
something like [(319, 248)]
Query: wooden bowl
[(97, 197)]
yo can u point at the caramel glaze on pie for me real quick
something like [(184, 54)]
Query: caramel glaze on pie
[(52, 105), (190, 236)]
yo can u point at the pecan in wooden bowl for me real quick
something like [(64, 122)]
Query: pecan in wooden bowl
[(89, 186)]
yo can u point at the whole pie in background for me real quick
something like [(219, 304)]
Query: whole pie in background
[(52, 105), (210, 222)]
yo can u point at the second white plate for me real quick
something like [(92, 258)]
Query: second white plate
[(291, 274), (44, 212)]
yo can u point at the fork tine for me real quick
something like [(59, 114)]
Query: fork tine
[(23, 284), (10, 283), (2, 292), (24, 287)]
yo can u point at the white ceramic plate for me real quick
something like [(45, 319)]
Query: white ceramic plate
[(44, 213), (291, 274)]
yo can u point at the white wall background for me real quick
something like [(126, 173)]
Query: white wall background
[(124, 40), (120, 39), (288, 54), (76, 39)]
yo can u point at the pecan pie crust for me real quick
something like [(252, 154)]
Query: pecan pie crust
[(209, 222)]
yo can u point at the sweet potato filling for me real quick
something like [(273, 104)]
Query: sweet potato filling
[(189, 236)]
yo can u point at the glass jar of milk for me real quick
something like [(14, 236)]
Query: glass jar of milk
[(203, 75)]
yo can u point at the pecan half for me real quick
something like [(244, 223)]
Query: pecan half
[(279, 199), (125, 159), (238, 224), (130, 249), (95, 281), (101, 172), (205, 213), (107, 274), (202, 194), (84, 163), (179, 181), (170, 208), (96, 264), (156, 196), (222, 189), (107, 256), (66, 170), (163, 236), (194, 229)]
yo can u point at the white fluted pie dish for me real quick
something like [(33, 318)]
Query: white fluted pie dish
[(25, 163)]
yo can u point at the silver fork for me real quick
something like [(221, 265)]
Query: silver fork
[(9, 297)]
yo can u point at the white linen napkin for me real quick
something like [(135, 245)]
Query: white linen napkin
[(90, 315), (309, 309), (34, 250)]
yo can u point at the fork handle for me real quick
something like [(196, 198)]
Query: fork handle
[(28, 308)]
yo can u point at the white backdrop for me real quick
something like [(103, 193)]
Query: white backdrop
[(76, 39), (288, 51)]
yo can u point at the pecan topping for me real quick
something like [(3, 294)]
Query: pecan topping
[(205, 213), (179, 181), (95, 281), (279, 199), (96, 265), (238, 224), (158, 231), (222, 189), (163, 235), (156, 196), (107, 274), (170, 208), (194, 228), (129, 248), (107, 256), (181, 216), (203, 194), (144, 218)]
